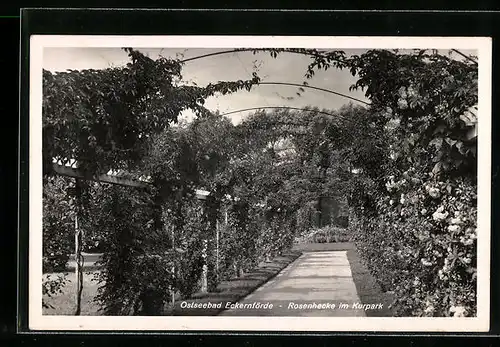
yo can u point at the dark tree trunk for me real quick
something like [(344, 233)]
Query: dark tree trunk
[(319, 213)]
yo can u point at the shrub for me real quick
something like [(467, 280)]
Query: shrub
[(427, 247), (58, 224), (413, 212)]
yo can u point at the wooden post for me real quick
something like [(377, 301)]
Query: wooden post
[(174, 257), (78, 250), (217, 227), (77, 262), (204, 276)]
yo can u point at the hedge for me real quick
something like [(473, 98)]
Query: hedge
[(426, 249)]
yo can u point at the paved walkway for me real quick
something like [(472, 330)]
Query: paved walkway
[(316, 284)]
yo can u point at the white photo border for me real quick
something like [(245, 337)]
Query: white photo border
[(38, 321)]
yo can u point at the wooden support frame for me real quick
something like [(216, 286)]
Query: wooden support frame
[(117, 180), (78, 174)]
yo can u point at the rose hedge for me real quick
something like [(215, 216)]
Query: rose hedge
[(413, 200), (250, 238), (426, 236)]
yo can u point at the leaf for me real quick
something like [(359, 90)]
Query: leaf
[(473, 151), (439, 129), (461, 147), (437, 142), (449, 141), (437, 168)]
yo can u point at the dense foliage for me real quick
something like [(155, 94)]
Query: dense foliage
[(58, 218), (429, 209), (405, 166), (105, 119), (414, 205), (413, 199)]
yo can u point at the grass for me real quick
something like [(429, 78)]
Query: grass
[(65, 303), (369, 291)]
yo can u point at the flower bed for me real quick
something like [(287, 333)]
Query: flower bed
[(327, 234)]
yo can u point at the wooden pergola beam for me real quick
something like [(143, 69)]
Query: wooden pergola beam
[(76, 173), (122, 181)]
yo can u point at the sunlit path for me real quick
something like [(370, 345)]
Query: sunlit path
[(317, 279)]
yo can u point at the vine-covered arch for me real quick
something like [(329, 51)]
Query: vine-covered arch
[(411, 143)]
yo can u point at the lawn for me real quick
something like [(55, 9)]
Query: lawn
[(65, 303)]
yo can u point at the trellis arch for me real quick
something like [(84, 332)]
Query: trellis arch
[(314, 53)]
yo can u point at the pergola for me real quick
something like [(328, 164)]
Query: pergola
[(121, 178)]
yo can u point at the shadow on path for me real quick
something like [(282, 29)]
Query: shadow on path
[(316, 284)]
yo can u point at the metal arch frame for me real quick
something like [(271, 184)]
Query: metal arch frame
[(236, 50), (273, 83), (277, 107), (285, 50), (315, 88), (287, 107)]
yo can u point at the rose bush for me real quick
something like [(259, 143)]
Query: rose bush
[(428, 246), (414, 221)]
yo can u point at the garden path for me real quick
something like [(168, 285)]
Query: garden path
[(318, 277)]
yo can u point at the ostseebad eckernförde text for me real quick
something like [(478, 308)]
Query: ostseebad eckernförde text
[(256, 305)]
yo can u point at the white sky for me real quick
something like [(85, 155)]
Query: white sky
[(227, 67)]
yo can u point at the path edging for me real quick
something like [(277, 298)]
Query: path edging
[(369, 292)]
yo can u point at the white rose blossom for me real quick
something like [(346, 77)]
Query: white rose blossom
[(439, 215), (458, 311), (468, 242), (434, 193), (425, 262), (429, 308)]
